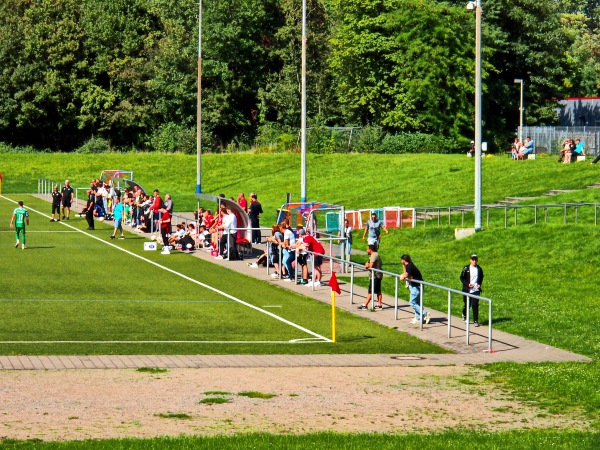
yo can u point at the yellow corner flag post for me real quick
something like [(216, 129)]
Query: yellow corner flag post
[(333, 315), (335, 287)]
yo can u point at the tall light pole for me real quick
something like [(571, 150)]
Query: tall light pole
[(199, 107), (476, 5), (303, 108), (520, 81)]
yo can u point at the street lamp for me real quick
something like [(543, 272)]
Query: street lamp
[(520, 81), (476, 5)]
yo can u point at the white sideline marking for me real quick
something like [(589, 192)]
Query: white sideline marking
[(185, 277), (59, 300), (38, 231), (292, 341)]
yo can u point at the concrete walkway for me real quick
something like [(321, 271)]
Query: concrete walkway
[(505, 346)]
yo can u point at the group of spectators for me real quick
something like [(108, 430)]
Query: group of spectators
[(571, 149), (520, 150)]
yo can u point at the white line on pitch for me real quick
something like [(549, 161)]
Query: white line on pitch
[(292, 341), (185, 277)]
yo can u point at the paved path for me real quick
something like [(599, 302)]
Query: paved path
[(506, 347)]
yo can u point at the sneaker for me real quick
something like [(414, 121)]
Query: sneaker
[(63, 217), (414, 321), (58, 220), (23, 247), (317, 283), (275, 275), (17, 244), (112, 237), (51, 220), (476, 323), (303, 282), (378, 307), (464, 318), (253, 265), (427, 318), (165, 251), (287, 280), (122, 237), (362, 307), (219, 257)]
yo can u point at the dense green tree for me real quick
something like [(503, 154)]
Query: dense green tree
[(281, 96), (403, 64)]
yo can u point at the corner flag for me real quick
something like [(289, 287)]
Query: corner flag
[(333, 284)]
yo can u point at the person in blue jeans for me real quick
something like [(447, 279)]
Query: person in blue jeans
[(411, 273), (289, 250)]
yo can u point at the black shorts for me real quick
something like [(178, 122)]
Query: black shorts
[(318, 260), (66, 203), (302, 260), (377, 285), (274, 257), (56, 209)]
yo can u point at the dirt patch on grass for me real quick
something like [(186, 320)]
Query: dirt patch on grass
[(97, 404)]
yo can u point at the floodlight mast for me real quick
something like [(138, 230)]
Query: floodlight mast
[(303, 108), (199, 107), (477, 208)]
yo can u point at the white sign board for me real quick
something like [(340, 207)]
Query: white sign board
[(150, 246)]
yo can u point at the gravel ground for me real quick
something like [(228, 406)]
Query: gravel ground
[(97, 404)]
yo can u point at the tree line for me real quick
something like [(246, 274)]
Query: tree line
[(122, 73)]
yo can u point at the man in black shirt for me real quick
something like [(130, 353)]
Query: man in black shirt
[(67, 199), (255, 210), (56, 198), (412, 273), (89, 209)]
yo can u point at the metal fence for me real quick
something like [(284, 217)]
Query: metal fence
[(550, 139), (586, 213)]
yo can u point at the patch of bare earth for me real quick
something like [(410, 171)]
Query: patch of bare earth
[(97, 404)]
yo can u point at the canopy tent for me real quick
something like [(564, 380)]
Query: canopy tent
[(309, 214)]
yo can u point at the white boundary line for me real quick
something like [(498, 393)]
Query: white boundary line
[(292, 341), (185, 277)]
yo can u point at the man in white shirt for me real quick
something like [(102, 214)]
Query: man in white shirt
[(228, 240)]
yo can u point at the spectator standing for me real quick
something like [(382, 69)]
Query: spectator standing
[(471, 278), (273, 243), (375, 278), (67, 199), (118, 211), (89, 209), (411, 272), (157, 204), (229, 227), (471, 151), (56, 200), (311, 244), (289, 252), (254, 213), (165, 226), (373, 228), (348, 235), (242, 202), (19, 218)]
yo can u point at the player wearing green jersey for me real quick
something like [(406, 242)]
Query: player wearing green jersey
[(20, 217)]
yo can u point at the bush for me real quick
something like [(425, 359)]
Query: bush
[(367, 140), (6, 148), (417, 143), (94, 145), (172, 138), (326, 140)]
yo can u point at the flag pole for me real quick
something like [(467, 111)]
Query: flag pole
[(333, 315)]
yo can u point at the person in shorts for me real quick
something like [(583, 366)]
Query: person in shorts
[(19, 218), (373, 228), (118, 211), (311, 244), (56, 200), (67, 199), (375, 278)]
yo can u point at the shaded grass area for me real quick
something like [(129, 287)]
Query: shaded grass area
[(69, 286), (531, 439)]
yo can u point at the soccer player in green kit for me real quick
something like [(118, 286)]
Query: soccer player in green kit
[(19, 218)]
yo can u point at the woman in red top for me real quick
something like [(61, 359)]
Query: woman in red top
[(311, 244)]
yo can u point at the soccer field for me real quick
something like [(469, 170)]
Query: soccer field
[(74, 291)]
